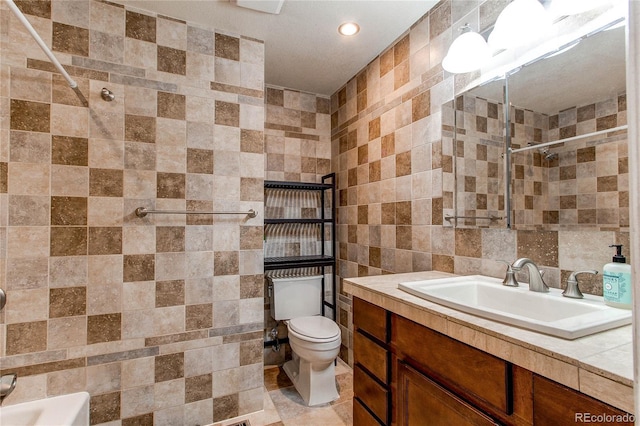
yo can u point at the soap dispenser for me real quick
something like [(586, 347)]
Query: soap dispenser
[(616, 283)]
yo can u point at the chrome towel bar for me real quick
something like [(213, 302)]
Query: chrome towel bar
[(143, 211), (491, 218)]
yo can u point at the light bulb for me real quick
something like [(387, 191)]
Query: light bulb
[(520, 22), (349, 28), (468, 52)]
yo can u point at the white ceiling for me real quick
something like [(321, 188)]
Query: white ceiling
[(303, 49)]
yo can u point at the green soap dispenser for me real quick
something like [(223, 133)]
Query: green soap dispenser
[(617, 283)]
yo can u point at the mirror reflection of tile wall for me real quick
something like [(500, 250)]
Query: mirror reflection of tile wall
[(474, 184), (579, 185)]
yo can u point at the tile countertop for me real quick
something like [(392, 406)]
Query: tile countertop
[(600, 365)]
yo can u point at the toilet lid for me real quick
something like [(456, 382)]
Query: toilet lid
[(318, 327)]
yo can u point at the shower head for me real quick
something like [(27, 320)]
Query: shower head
[(107, 94), (547, 154)]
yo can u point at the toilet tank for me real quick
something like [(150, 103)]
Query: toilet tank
[(293, 297)]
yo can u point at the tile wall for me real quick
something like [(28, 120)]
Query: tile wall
[(159, 318), (582, 185), (297, 135), (390, 153), (585, 185), (298, 149)]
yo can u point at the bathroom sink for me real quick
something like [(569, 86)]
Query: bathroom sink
[(64, 410), (548, 313)]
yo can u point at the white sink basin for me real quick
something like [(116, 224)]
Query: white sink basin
[(64, 410), (549, 313)]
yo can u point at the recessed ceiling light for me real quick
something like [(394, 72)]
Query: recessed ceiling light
[(348, 29)]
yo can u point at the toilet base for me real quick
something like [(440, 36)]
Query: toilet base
[(315, 386)]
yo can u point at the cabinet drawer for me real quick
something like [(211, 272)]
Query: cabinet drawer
[(421, 401), (362, 417), (461, 368), (555, 404), (370, 318), (371, 356), (371, 393)]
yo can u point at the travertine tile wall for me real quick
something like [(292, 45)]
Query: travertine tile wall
[(160, 318), (389, 152), (297, 135), (579, 185), (473, 177), (588, 179), (298, 149)]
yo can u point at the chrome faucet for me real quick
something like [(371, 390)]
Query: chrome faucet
[(536, 282), (572, 289), (7, 385)]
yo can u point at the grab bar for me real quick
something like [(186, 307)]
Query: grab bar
[(142, 212), (573, 138), (491, 218)]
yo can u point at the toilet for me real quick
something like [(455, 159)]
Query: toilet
[(314, 339)]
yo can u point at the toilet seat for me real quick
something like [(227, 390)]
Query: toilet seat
[(314, 328)]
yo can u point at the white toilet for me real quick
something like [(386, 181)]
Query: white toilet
[(315, 340)]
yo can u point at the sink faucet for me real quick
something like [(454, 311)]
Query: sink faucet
[(536, 282), (572, 289), (7, 385)]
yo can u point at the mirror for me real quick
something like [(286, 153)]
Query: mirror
[(576, 97)]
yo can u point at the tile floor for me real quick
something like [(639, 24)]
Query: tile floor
[(283, 406)]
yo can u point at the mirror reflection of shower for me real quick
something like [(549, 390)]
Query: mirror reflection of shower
[(547, 154)]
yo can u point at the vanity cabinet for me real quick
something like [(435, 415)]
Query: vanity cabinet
[(556, 404), (372, 364), (423, 401), (407, 374)]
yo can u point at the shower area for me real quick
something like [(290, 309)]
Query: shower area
[(158, 316), (569, 184)]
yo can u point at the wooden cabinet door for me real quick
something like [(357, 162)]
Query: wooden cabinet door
[(421, 401), (555, 404)]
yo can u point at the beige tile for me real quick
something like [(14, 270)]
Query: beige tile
[(27, 241), (105, 153), (68, 271), (27, 305), (137, 401), (606, 390), (69, 181), (138, 324), (138, 239), (66, 381), (104, 378), (28, 179), (67, 332), (61, 125), (105, 211), (27, 273), (169, 320), (103, 298)]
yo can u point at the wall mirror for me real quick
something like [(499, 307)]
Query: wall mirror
[(576, 97)]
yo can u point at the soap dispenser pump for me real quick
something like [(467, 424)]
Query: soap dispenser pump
[(616, 283)]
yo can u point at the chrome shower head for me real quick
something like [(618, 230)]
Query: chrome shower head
[(544, 151), (107, 94)]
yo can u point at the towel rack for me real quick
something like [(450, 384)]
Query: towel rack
[(143, 211), (491, 218)]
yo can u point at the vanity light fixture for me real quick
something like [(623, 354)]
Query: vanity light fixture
[(348, 29), (468, 52), (520, 22)]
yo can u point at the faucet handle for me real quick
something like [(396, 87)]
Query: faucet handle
[(510, 276), (573, 290)]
